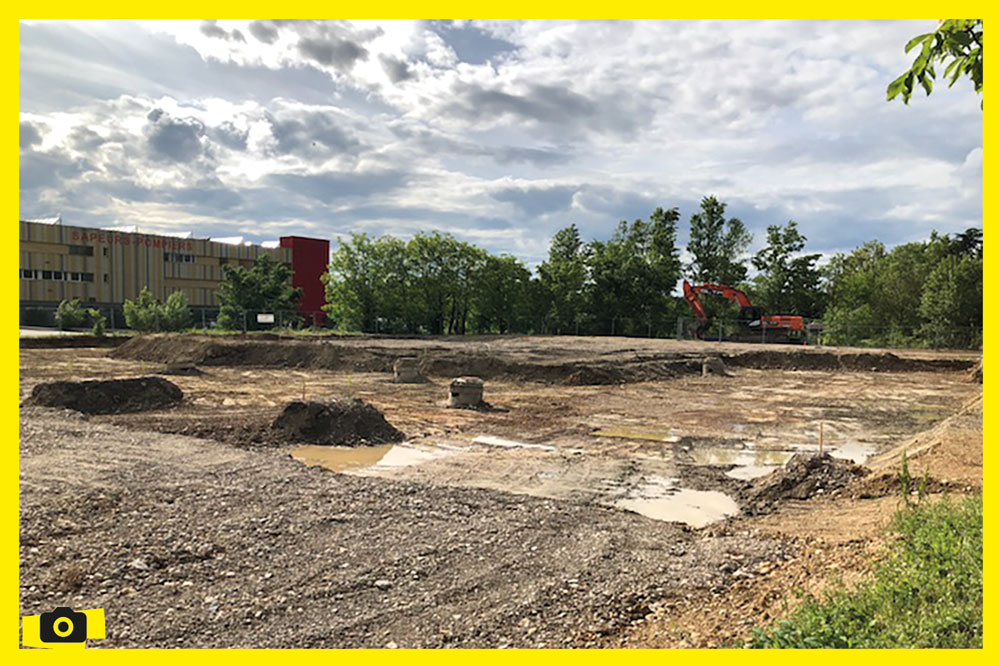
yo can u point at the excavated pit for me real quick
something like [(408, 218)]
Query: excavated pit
[(515, 358)]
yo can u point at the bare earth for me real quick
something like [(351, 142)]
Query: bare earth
[(552, 521)]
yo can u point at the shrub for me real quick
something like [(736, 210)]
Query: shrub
[(147, 314), (99, 322), (175, 314), (70, 314)]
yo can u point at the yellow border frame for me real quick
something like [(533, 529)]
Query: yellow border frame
[(785, 9)]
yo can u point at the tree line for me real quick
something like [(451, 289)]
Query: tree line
[(923, 293)]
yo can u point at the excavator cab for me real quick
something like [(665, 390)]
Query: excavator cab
[(750, 315)]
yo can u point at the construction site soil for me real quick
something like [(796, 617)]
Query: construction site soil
[(614, 497)]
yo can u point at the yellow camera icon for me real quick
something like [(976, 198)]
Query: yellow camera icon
[(62, 628)]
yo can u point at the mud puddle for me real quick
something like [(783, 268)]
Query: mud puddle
[(660, 498), (647, 486), (364, 460)]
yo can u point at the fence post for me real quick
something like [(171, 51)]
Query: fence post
[(204, 328)]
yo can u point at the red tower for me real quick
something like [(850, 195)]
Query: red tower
[(310, 258)]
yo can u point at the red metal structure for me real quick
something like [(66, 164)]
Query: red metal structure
[(754, 325), (310, 259)]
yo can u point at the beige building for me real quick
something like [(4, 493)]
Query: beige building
[(105, 267)]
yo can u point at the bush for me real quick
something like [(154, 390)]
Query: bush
[(927, 594), (99, 322), (146, 314), (175, 314), (70, 314)]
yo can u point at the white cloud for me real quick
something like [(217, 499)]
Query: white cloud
[(398, 126)]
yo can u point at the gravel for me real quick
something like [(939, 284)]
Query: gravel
[(193, 543)]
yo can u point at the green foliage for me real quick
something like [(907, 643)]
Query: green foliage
[(70, 314), (146, 314), (918, 294), (952, 302), (787, 283), (564, 277), (928, 593), (632, 275), (99, 322), (717, 245), (175, 314), (959, 41), (266, 287)]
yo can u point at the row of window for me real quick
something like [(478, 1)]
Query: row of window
[(178, 258), (83, 250), (68, 276)]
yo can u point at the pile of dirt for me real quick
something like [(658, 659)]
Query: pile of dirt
[(342, 421), (976, 372), (110, 396), (804, 476)]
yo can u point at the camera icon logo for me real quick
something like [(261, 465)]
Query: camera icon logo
[(62, 627)]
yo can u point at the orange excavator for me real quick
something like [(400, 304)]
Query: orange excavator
[(754, 325)]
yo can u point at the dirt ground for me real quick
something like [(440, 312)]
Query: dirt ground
[(556, 520)]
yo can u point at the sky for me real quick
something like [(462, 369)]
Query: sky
[(498, 132)]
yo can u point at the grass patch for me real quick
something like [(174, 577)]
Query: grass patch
[(928, 592)]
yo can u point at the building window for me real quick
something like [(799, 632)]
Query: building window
[(176, 257), (57, 275), (85, 250), (104, 251), (46, 275), (87, 277), (223, 261), (105, 277)]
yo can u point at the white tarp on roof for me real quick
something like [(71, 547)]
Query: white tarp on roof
[(124, 229), (271, 244), (46, 220), (228, 240)]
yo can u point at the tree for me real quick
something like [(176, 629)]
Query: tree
[(500, 296), (266, 287), (175, 315), (144, 314), (717, 245), (787, 284), (70, 314), (960, 40), (952, 302), (563, 276), (633, 274)]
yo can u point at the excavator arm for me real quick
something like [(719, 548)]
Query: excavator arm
[(691, 296)]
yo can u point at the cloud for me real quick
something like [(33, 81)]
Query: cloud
[(397, 70), (29, 136), (210, 28), (310, 133), (176, 139), (536, 201), (499, 131), (264, 31)]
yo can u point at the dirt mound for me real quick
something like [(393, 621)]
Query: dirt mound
[(343, 422), (951, 452), (976, 372), (110, 396), (803, 477)]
